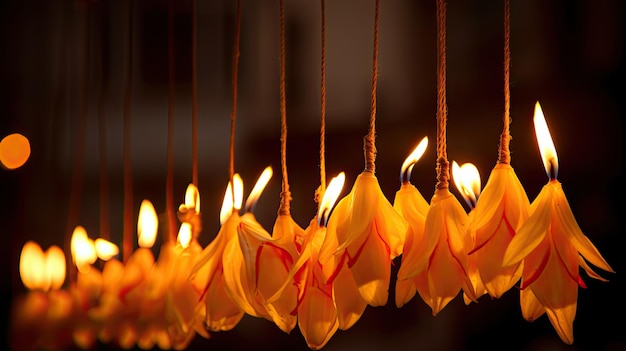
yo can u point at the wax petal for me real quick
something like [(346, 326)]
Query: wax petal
[(531, 307), (405, 290), (589, 270), (317, 318), (571, 228), (372, 271), (348, 301), (533, 230), (221, 312)]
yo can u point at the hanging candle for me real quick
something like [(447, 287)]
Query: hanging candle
[(315, 309), (467, 180), (410, 203), (552, 246), (221, 312)]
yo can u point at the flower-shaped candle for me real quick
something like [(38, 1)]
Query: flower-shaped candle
[(43, 317), (552, 247), (445, 231), (316, 309), (221, 311), (467, 180), (501, 210), (410, 203), (369, 233)]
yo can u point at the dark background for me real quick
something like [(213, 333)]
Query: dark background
[(569, 55)]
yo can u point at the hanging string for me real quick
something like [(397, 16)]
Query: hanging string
[(194, 94), (169, 182), (285, 195), (443, 166), (369, 142), (505, 138), (233, 115), (102, 144), (76, 189), (127, 233), (322, 188)]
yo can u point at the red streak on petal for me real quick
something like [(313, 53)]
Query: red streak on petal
[(574, 278), (383, 240), (332, 277), (454, 256), (537, 272), (206, 288), (581, 283), (352, 260)]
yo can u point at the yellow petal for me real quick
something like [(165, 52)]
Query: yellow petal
[(273, 266), (221, 312), (562, 320), (497, 279), (349, 304), (571, 228), (405, 290), (235, 280), (445, 276), (589, 271), (533, 230), (317, 318), (531, 308), (491, 197), (372, 271)]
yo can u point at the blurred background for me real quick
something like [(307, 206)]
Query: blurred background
[(65, 63)]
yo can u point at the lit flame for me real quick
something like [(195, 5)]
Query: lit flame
[(192, 198), (147, 225), (467, 181), (184, 235), (330, 197), (227, 204), (31, 263), (256, 192), (546, 145), (105, 249), (411, 160), (55, 266), (83, 250), (39, 270)]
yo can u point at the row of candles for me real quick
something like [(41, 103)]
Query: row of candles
[(322, 277)]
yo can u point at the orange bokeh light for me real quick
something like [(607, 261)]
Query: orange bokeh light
[(14, 151)]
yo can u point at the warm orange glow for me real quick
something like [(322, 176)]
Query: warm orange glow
[(546, 145), (39, 270), (147, 225), (184, 235), (55, 266), (32, 262), (105, 249), (83, 250), (192, 198), (467, 181), (330, 197), (412, 159), (14, 151), (256, 192), (227, 204)]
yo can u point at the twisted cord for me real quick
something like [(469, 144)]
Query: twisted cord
[(370, 139), (504, 155), (443, 171), (285, 195)]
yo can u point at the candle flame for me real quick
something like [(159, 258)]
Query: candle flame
[(467, 181), (55, 266), (105, 249), (31, 263), (411, 160), (192, 198), (147, 225), (184, 235), (83, 250), (546, 145), (39, 270), (330, 197), (228, 205), (256, 192)]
